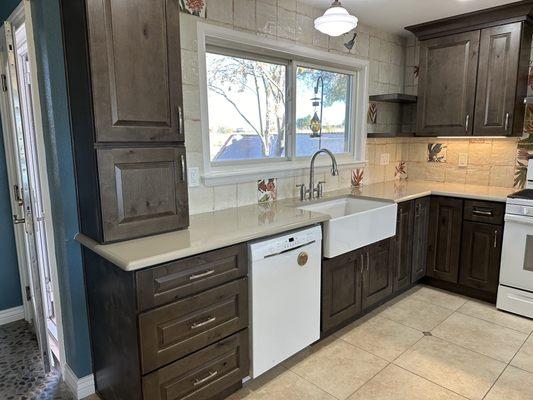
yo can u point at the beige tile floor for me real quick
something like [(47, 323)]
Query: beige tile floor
[(427, 344)]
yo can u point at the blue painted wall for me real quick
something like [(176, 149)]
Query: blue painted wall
[(59, 157), (10, 294)]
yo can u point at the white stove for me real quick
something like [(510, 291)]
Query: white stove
[(515, 292)]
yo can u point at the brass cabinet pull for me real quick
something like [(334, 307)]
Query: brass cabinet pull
[(211, 375), (201, 275), (485, 213), (208, 321)]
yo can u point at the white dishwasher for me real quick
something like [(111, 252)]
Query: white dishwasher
[(285, 296)]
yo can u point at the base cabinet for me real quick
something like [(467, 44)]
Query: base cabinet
[(445, 221), (403, 252), (354, 282), (420, 239), (481, 256)]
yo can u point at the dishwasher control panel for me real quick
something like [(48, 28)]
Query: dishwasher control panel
[(286, 242)]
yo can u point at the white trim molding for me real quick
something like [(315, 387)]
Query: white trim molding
[(213, 35), (11, 315), (80, 387)]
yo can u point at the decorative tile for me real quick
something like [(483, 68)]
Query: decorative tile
[(372, 115), (193, 7), (400, 170), (267, 190), (436, 153), (357, 177)]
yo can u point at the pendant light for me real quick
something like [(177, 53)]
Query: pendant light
[(336, 20)]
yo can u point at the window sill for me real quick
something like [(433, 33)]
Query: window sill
[(243, 174)]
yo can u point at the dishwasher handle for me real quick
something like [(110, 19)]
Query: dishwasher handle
[(291, 250)]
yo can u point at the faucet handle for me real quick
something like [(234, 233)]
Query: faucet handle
[(320, 188), (303, 191)]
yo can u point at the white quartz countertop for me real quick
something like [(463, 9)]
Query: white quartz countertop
[(217, 229)]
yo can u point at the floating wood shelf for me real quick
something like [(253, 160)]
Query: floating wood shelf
[(394, 98)]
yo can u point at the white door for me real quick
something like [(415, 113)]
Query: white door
[(19, 139)]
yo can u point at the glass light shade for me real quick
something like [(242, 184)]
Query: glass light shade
[(315, 126), (336, 21)]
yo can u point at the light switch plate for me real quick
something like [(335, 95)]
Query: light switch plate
[(463, 159), (193, 176), (384, 159)]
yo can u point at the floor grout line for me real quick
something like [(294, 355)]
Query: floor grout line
[(493, 323), (520, 348), (496, 381)]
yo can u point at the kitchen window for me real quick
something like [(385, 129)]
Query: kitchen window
[(268, 106)]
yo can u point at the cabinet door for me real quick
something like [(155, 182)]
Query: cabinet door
[(378, 272), (420, 238), (480, 256), (143, 191), (447, 84), (403, 245), (445, 221), (499, 53), (135, 69), (341, 289)]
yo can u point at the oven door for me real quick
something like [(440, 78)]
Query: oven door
[(517, 253)]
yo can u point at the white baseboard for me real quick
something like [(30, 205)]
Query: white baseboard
[(11, 315), (80, 387)]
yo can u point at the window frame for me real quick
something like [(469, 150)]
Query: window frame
[(238, 42)]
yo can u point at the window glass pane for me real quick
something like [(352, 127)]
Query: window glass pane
[(322, 111), (246, 100)]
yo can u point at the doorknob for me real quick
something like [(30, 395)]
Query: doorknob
[(18, 221)]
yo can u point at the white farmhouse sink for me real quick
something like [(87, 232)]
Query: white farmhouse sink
[(354, 223)]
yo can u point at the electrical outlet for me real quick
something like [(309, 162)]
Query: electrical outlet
[(463, 159), (384, 159), (193, 176)]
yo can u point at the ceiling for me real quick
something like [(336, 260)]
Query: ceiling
[(393, 15)]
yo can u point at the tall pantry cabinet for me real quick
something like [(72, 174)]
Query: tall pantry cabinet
[(126, 109)]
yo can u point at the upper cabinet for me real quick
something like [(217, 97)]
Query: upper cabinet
[(135, 67), (473, 72), (447, 84)]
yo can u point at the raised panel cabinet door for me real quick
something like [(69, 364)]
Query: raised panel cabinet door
[(403, 245), (480, 256), (499, 53), (341, 289), (378, 272), (135, 50), (143, 191), (447, 84), (420, 239), (445, 222)]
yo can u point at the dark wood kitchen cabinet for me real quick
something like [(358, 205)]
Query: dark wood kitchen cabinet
[(474, 72), (481, 256), (420, 238), (123, 70), (497, 82), (378, 272), (403, 245), (134, 50), (445, 222), (354, 282), (170, 331), (447, 84), (341, 289)]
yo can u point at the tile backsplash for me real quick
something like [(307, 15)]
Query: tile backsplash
[(393, 68)]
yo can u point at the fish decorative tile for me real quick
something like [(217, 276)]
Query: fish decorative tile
[(267, 190), (436, 153), (193, 7)]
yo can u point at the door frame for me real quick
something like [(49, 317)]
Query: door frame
[(22, 15)]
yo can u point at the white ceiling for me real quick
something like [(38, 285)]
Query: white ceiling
[(393, 15)]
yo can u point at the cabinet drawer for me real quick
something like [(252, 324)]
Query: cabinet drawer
[(201, 375), (484, 211), (173, 331), (179, 279), (143, 191)]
